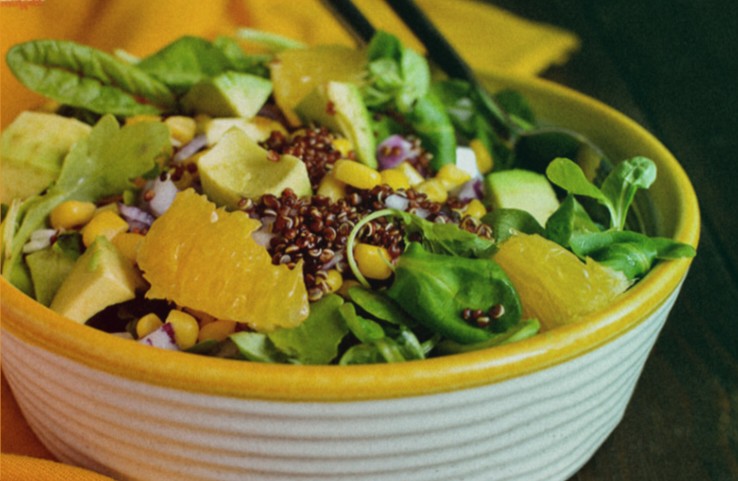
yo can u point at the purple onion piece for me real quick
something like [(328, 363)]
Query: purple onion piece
[(393, 151), (136, 217), (471, 189), (163, 338), (191, 148)]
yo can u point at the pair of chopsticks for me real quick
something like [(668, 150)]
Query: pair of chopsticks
[(439, 50)]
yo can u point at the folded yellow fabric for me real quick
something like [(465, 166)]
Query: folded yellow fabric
[(488, 37), (491, 39), (14, 467)]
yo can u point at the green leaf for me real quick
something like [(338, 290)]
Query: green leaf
[(435, 289), (630, 252), (569, 176), (568, 219), (271, 41), (256, 346), (316, 340), (508, 222), (523, 330), (447, 239), (365, 330), (185, 62), (379, 306), (432, 125), (239, 60), (81, 76), (621, 185)]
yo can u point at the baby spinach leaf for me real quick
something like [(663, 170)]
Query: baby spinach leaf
[(434, 289), (83, 77), (255, 64), (184, 62), (316, 340), (365, 330)]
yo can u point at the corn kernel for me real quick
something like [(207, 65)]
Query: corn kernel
[(105, 223), (343, 146), (181, 128), (334, 280), (395, 178), (413, 176), (186, 328), (452, 177), (485, 162), (475, 209), (217, 330), (373, 261), (331, 188), (356, 174), (128, 244), (135, 119), (147, 324), (71, 213), (434, 189)]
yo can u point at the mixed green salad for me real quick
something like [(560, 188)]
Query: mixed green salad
[(254, 198)]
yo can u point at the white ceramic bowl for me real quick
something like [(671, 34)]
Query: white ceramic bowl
[(533, 410)]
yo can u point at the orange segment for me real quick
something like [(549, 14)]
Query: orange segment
[(296, 72), (554, 285), (204, 258)]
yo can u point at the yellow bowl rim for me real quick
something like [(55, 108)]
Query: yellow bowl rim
[(29, 321)]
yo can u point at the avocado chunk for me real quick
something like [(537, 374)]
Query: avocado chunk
[(258, 128), (32, 149), (100, 277), (522, 189), (340, 107), (228, 94), (49, 267), (237, 168)]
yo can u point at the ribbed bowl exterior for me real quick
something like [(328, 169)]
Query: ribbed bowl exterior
[(540, 426)]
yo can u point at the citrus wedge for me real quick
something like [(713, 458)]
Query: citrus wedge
[(204, 258), (554, 285)]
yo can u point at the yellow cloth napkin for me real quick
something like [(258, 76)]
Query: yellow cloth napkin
[(14, 467), (489, 38)]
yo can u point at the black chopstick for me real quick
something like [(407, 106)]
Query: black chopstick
[(352, 19)]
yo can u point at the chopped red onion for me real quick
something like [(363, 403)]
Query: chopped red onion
[(191, 148), (471, 189), (393, 151), (164, 192), (395, 201), (163, 338), (137, 218)]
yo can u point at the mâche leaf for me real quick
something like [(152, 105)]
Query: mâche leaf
[(83, 77)]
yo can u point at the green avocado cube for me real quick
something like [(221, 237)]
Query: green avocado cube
[(237, 168), (340, 107), (32, 149), (100, 277), (521, 189), (230, 94)]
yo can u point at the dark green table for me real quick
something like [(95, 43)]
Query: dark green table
[(672, 65)]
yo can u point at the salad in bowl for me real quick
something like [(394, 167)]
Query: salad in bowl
[(308, 204)]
